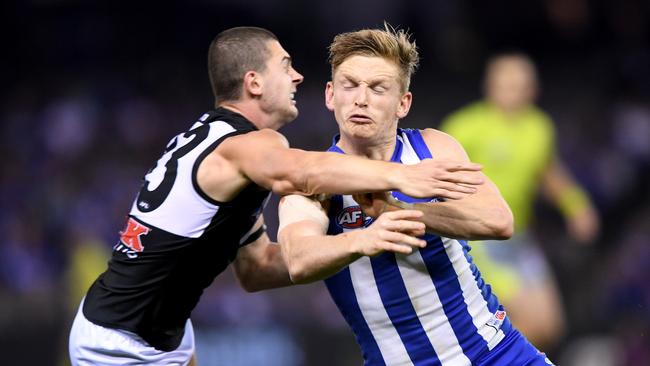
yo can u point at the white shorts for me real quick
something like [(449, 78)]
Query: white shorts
[(92, 344)]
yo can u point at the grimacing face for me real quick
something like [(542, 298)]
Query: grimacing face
[(280, 85), (366, 98)]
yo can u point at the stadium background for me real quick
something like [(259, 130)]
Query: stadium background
[(92, 92)]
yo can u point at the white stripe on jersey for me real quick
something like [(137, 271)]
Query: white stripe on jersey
[(391, 346), (476, 304), (428, 306), (365, 288)]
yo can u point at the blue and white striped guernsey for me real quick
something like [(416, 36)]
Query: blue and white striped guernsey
[(428, 308)]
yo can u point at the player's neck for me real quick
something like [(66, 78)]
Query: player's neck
[(370, 149), (251, 112)]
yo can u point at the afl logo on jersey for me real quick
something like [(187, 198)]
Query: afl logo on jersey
[(352, 218)]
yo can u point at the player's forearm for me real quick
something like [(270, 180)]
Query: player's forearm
[(315, 173), (471, 222), (313, 258)]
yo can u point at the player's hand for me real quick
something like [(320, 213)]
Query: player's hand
[(374, 204), (395, 231), (585, 226), (441, 178)]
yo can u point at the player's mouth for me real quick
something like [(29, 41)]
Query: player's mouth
[(359, 118), (292, 98)]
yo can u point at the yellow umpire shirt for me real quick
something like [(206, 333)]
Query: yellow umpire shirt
[(514, 150)]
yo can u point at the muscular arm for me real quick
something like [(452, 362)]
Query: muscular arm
[(483, 215), (259, 265), (265, 158), (312, 255)]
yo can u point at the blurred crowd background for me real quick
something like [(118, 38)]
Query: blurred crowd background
[(94, 90)]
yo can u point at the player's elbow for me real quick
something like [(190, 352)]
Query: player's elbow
[(502, 224), (251, 276), (248, 281), (300, 174), (297, 272), (251, 287), (293, 181)]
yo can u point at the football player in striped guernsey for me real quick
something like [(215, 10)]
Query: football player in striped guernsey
[(200, 207), (407, 303)]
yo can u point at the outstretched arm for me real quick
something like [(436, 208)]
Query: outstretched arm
[(312, 255), (483, 215), (265, 158)]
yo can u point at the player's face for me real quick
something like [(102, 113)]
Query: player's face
[(280, 84), (367, 100), (511, 84)]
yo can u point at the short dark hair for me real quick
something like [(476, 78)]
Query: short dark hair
[(232, 53)]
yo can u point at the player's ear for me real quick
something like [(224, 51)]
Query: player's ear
[(329, 95), (253, 83), (404, 105)]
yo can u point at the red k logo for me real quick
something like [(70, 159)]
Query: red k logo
[(131, 235)]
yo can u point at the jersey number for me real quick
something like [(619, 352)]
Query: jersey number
[(151, 200)]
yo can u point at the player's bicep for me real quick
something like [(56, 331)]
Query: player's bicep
[(261, 156)]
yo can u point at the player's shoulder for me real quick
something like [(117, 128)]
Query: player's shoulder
[(442, 144), (437, 137), (265, 137)]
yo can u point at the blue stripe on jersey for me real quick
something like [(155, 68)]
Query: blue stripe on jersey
[(486, 290), (336, 205), (397, 153), (401, 313), (445, 280), (341, 289), (408, 199), (416, 140)]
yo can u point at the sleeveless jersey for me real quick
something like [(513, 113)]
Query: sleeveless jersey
[(176, 240), (427, 308)]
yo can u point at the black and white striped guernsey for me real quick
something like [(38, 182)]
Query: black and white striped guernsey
[(176, 240)]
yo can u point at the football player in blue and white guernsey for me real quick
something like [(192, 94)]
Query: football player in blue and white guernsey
[(408, 304)]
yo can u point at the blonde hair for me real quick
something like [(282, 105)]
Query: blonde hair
[(393, 45)]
